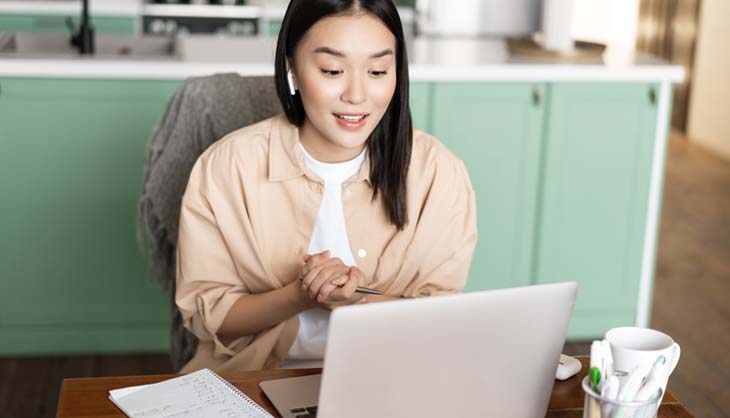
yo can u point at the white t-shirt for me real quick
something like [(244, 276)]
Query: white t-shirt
[(330, 233)]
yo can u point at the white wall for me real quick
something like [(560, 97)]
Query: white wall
[(709, 106), (612, 22)]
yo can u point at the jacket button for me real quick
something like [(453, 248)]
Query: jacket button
[(361, 253)]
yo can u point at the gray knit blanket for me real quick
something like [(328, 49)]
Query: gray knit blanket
[(202, 110)]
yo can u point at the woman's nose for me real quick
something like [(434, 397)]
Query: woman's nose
[(354, 91)]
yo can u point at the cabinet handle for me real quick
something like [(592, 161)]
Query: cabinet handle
[(652, 96), (536, 96)]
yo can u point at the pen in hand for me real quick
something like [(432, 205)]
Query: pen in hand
[(359, 289)]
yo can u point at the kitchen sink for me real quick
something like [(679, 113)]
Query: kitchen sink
[(105, 44)]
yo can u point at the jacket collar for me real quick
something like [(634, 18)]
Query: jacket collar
[(285, 157)]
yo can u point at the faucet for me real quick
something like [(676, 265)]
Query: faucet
[(84, 38)]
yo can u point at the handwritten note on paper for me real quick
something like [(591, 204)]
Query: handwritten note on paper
[(201, 394)]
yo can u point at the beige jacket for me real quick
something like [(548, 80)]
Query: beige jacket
[(247, 217)]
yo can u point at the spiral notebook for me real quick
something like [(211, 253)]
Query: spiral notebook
[(201, 394)]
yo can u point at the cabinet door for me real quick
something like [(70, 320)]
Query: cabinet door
[(273, 27), (419, 100), (71, 158), (56, 23), (597, 170), (495, 129)]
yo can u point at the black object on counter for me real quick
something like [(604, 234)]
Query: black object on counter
[(84, 38)]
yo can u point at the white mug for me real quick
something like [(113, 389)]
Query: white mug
[(632, 347)]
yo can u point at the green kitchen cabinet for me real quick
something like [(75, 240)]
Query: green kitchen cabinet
[(120, 25), (496, 129), (562, 176), (595, 180), (561, 173), (71, 155), (420, 97)]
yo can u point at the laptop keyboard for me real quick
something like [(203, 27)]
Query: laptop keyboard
[(309, 412)]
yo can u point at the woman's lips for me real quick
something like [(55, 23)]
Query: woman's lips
[(351, 121)]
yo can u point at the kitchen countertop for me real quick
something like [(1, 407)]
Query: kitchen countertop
[(430, 60)]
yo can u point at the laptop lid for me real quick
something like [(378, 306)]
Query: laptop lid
[(490, 353)]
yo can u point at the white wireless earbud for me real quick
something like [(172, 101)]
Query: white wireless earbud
[(289, 78)]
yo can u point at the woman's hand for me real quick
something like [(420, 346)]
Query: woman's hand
[(344, 289), (329, 282), (318, 271)]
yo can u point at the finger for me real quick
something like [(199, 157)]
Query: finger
[(325, 292), (313, 280), (324, 276), (340, 280), (309, 266), (351, 285), (329, 263), (323, 255), (309, 277), (347, 290), (343, 293), (337, 295), (362, 280), (314, 259)]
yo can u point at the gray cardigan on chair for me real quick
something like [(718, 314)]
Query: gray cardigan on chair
[(202, 110)]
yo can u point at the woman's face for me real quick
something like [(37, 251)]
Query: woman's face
[(344, 68)]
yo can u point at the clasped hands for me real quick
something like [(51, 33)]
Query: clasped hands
[(329, 282)]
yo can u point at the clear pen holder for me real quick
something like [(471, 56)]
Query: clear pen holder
[(597, 407)]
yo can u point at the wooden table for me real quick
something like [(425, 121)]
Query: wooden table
[(87, 398)]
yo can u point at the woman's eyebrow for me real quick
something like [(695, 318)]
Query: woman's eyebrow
[(336, 53)]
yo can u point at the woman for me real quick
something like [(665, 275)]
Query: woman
[(282, 220)]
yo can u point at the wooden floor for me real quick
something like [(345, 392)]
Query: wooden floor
[(690, 302), (692, 291), (29, 386)]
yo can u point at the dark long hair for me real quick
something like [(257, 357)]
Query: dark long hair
[(390, 143)]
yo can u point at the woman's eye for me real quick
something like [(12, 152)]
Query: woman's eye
[(330, 72), (378, 73)]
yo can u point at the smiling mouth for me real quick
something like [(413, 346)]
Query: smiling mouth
[(352, 117)]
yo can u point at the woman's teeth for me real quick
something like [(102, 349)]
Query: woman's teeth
[(351, 118)]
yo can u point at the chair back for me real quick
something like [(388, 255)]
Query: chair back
[(201, 111)]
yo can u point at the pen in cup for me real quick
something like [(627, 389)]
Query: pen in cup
[(596, 365)]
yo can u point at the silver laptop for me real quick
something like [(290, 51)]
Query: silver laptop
[(491, 353)]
